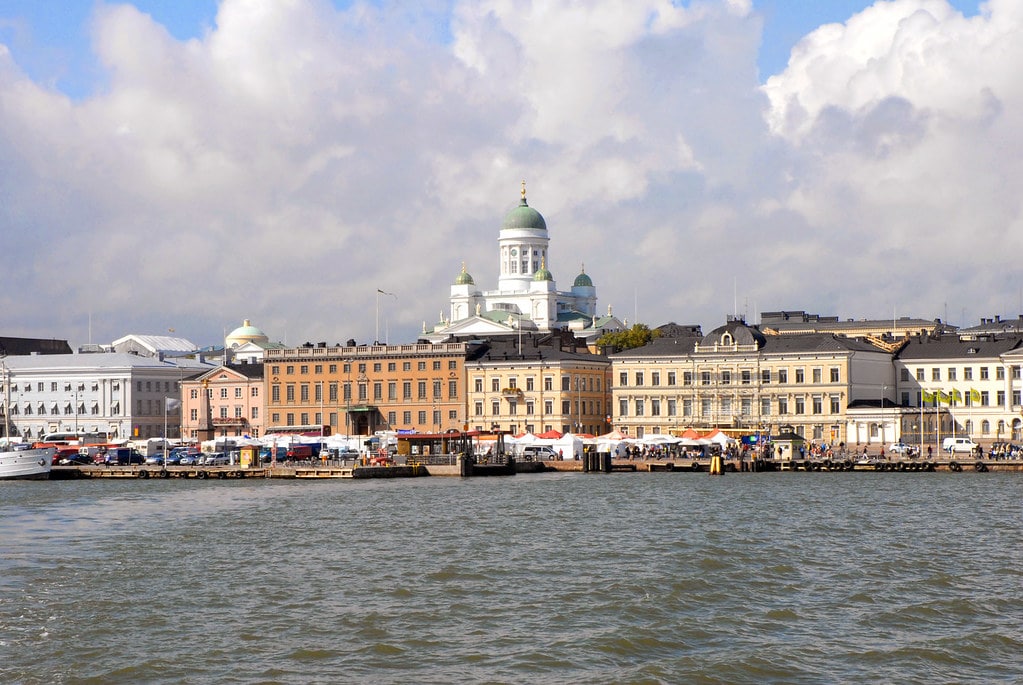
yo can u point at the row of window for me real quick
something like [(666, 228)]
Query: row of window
[(568, 408), (587, 383), (362, 367), (725, 406), (952, 373), (729, 377), (238, 392), (239, 412), (966, 399), (392, 418), (314, 393), (54, 410)]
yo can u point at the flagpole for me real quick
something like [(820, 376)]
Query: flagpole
[(922, 425)]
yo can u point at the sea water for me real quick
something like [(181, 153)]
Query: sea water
[(547, 578)]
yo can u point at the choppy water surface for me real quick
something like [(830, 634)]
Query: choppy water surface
[(622, 578)]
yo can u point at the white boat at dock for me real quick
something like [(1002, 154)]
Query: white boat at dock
[(26, 464)]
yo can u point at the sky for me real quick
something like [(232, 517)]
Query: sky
[(185, 166)]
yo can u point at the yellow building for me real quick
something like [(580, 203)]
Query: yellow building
[(539, 385), (741, 381)]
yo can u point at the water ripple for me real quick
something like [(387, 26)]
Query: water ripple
[(666, 578)]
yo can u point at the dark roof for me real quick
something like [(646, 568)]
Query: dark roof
[(815, 342), (252, 370), (953, 347), (537, 348), (662, 347), (772, 344), (17, 346)]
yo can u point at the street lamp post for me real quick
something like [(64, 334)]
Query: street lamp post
[(881, 409), (348, 400)]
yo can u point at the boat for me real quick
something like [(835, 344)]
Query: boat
[(26, 463)]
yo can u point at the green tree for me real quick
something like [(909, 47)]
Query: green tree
[(640, 334)]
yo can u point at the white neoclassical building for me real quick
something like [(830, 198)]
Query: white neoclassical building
[(526, 297)]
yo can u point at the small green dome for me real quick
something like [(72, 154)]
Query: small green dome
[(582, 280), (464, 278), (542, 274)]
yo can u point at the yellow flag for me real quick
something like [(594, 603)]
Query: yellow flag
[(974, 396), (927, 396), (956, 395)]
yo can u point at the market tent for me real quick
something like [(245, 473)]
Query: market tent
[(570, 446), (718, 438), (550, 435), (613, 435)]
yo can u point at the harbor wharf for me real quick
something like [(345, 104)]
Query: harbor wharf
[(319, 471)]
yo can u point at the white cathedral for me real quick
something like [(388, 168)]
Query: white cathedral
[(527, 297)]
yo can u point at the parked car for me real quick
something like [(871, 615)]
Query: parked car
[(216, 459), (68, 455), (191, 460), (123, 456), (155, 460), (73, 458), (901, 448)]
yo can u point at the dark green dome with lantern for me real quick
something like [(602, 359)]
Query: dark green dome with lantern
[(524, 216)]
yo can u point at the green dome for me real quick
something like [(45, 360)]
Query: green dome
[(464, 278), (582, 281), (524, 216), (542, 274), (244, 334)]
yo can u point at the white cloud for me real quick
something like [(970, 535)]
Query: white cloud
[(294, 158)]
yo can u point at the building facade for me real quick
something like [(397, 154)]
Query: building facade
[(969, 385), (227, 401), (361, 389), (539, 386), (743, 382), (116, 394), (527, 298)]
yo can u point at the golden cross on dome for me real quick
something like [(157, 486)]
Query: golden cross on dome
[(523, 189)]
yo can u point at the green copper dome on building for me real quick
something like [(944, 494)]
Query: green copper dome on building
[(464, 278), (524, 216), (582, 280), (542, 274)]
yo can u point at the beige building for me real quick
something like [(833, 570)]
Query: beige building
[(741, 381), (537, 385)]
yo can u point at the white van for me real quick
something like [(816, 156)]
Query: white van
[(953, 445), (539, 453)]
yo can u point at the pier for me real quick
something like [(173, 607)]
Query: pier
[(449, 466)]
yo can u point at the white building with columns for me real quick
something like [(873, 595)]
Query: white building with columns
[(526, 297)]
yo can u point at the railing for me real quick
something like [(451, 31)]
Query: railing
[(363, 351)]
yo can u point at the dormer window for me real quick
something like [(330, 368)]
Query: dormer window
[(726, 339)]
